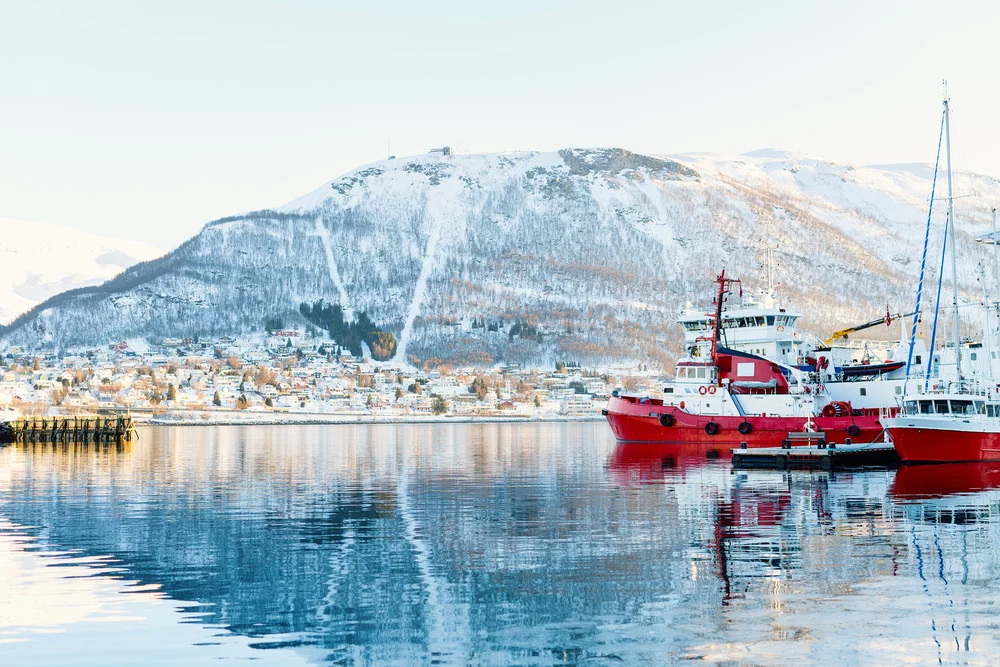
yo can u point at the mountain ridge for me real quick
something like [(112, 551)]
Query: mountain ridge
[(532, 256), (41, 260)]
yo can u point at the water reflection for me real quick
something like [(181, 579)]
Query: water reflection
[(938, 481), (530, 544)]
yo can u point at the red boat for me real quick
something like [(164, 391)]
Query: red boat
[(947, 428), (729, 397), (635, 419)]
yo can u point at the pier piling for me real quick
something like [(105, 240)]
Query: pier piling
[(68, 429)]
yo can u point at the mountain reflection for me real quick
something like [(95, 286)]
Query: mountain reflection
[(517, 543)]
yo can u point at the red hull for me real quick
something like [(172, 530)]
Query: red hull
[(632, 421), (918, 445)]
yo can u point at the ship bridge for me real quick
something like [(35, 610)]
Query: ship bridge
[(761, 327)]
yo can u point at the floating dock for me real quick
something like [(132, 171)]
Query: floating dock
[(112, 429), (825, 456)]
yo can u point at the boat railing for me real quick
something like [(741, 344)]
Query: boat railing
[(862, 343)]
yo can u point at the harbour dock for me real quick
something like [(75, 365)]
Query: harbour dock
[(821, 455), (58, 429)]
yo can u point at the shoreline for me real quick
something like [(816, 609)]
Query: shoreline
[(351, 420)]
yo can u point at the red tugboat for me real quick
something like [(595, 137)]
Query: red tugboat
[(734, 397)]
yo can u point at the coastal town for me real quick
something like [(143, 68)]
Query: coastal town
[(294, 376)]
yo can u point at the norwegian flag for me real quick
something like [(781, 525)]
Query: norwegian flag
[(888, 317)]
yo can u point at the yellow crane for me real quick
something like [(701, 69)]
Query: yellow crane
[(844, 333)]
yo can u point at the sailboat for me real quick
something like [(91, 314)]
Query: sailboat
[(961, 420)]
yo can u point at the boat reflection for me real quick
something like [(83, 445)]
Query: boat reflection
[(915, 482), (644, 462)]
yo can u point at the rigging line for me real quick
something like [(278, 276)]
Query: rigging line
[(937, 306), (923, 260)]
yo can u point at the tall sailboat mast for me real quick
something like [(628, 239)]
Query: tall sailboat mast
[(996, 267), (951, 231)]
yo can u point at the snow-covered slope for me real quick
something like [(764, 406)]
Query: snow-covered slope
[(38, 261), (577, 254)]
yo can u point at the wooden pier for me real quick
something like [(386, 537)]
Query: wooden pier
[(825, 456), (110, 429)]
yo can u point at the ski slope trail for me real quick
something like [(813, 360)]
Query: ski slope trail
[(430, 257), (331, 263)]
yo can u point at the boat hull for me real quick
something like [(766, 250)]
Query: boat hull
[(634, 421), (929, 441)]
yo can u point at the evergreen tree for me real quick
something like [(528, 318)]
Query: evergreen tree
[(217, 400)]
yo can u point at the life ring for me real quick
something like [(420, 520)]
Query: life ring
[(780, 328), (711, 428), (702, 390), (745, 427), (666, 420), (711, 388), (853, 430)]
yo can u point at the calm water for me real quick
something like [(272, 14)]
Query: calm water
[(527, 544)]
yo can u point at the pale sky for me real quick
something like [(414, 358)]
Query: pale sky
[(145, 120)]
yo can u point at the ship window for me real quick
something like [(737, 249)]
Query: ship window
[(770, 320), (973, 356), (668, 390), (927, 407), (701, 373), (941, 407), (918, 360), (864, 392), (981, 408), (899, 390), (962, 407), (911, 407)]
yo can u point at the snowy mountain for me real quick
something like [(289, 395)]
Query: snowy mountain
[(38, 261), (580, 254)]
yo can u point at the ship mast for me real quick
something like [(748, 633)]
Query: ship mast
[(996, 267), (725, 285), (951, 231)]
